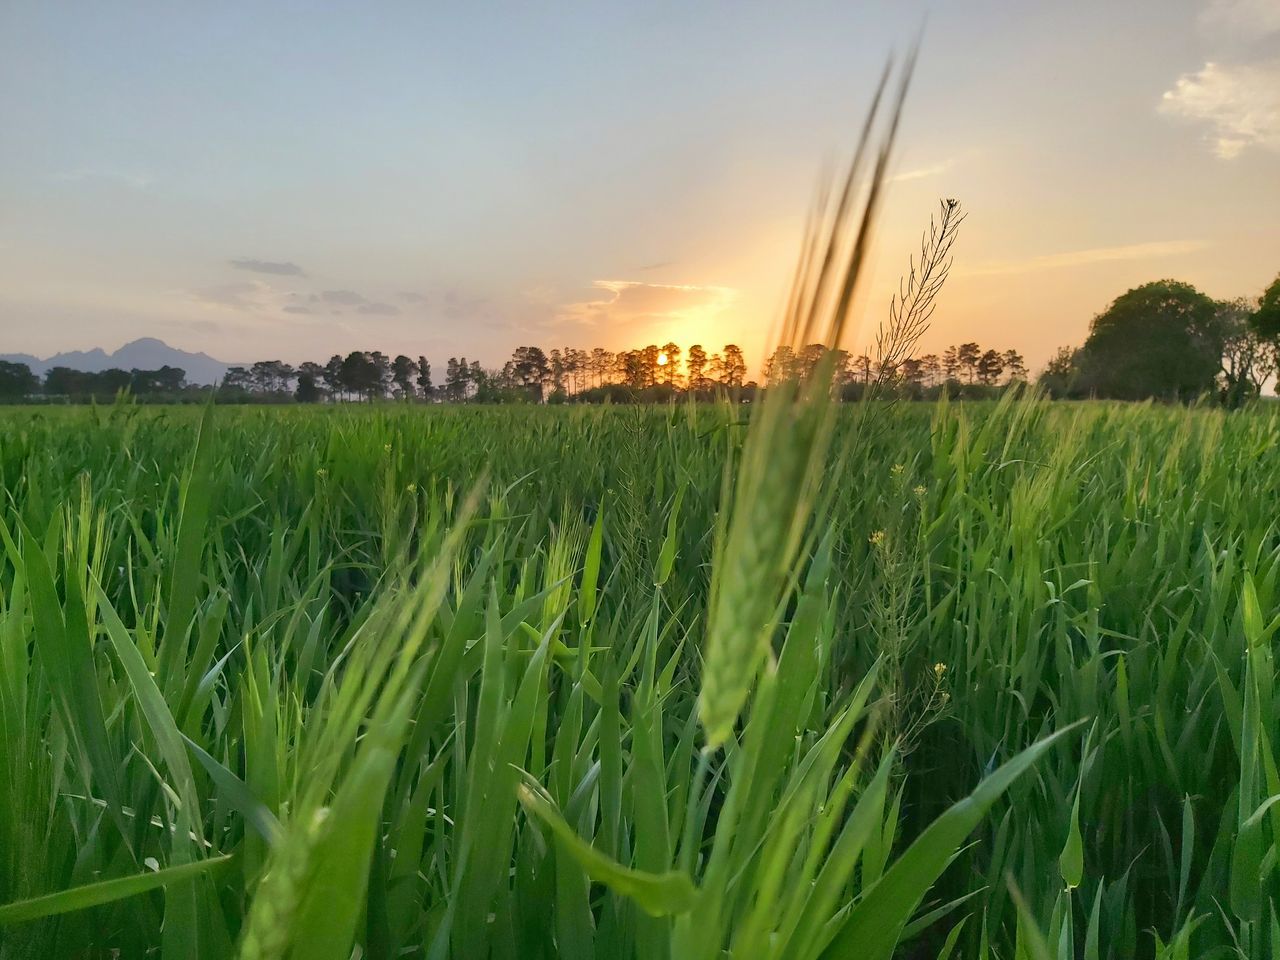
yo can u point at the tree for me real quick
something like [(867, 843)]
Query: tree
[(862, 368), (1060, 373), (670, 369), (271, 376), (1015, 366), (1248, 360), (308, 391), (734, 364), (529, 370), (381, 364), (360, 375), (425, 389), (967, 357), (235, 380), (1266, 319), (649, 365), (780, 367), (990, 367), (951, 363), (931, 367), (333, 376), (1157, 340), (166, 380), (696, 365), (16, 380), (455, 380), (808, 358), (403, 370)]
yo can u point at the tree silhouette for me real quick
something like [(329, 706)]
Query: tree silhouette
[(1156, 340)]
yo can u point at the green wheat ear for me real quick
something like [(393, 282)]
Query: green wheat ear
[(787, 443)]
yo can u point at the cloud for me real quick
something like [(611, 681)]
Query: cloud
[(1240, 103), (378, 309), (633, 302), (341, 298), (279, 268), (1251, 19), (408, 296), (244, 295), (297, 308), (135, 181), (1079, 258)]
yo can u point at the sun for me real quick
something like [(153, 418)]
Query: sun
[(662, 359)]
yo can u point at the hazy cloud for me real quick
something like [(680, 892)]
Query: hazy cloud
[(341, 298), (1078, 258), (297, 308), (408, 296), (279, 268), (379, 309), (136, 181), (244, 295), (1241, 103), (625, 302), (1250, 19)]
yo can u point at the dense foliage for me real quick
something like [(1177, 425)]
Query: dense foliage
[(285, 661)]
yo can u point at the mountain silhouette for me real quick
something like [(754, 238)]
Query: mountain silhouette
[(147, 353)]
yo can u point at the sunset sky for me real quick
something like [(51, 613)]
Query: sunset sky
[(268, 179)]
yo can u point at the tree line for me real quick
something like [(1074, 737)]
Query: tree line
[(645, 374), (530, 375), (17, 382), (1167, 340)]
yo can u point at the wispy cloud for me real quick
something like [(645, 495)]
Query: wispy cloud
[(88, 175), (1240, 103), (923, 173), (378, 309), (242, 295), (633, 302), (1155, 250), (1250, 19), (341, 298), (277, 267), (357, 301)]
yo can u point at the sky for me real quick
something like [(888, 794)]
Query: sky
[(291, 180)]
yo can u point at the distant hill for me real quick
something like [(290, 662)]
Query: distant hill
[(145, 354)]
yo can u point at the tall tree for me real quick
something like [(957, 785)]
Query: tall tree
[(1060, 373), (735, 365), (17, 380), (530, 370), (967, 356), (990, 367), (403, 370), (1248, 360), (780, 367), (670, 369), (1157, 340), (425, 389), (1266, 319), (696, 365), (333, 376), (1015, 366)]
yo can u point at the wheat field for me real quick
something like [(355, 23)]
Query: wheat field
[(960, 680)]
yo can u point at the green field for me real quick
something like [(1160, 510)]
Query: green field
[(468, 682)]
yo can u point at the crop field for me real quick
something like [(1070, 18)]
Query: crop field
[(967, 680)]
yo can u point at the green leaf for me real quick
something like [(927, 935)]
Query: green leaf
[(105, 891), (1071, 860), (658, 894), (875, 923)]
